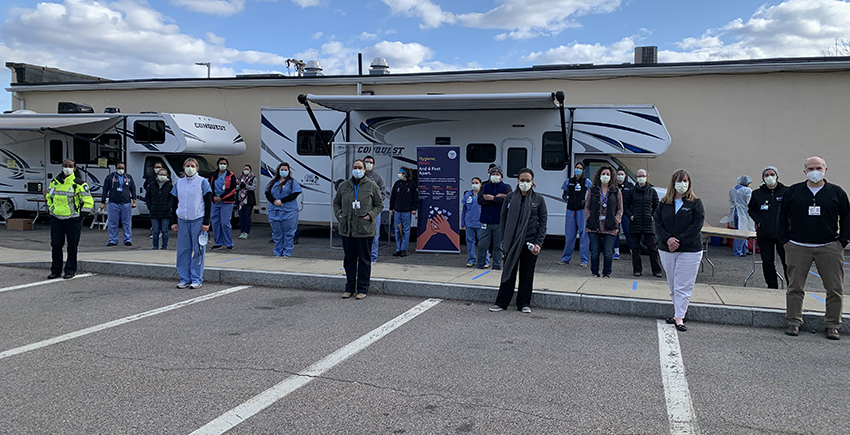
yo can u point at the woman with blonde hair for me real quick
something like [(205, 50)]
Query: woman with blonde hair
[(678, 224), (191, 204)]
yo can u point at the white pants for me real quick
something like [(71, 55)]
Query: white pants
[(681, 269)]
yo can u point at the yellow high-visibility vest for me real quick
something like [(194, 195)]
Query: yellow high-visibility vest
[(69, 196)]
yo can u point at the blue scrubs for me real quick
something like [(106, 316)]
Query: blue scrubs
[(284, 218)]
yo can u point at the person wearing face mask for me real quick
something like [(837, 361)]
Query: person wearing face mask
[(403, 200), (739, 201), (625, 187), (522, 221), (575, 191), (120, 189), (158, 199), (150, 177), (356, 205), (814, 225), (639, 206), (678, 224), (471, 220), (282, 193), (246, 200), (369, 163), (191, 207), (604, 210), (223, 184), (764, 211), (491, 197), (68, 202)]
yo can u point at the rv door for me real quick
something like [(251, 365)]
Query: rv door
[(58, 149), (517, 155)]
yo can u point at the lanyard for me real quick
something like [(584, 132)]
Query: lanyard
[(604, 198), (356, 189)]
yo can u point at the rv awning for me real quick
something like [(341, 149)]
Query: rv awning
[(348, 103), (42, 122)]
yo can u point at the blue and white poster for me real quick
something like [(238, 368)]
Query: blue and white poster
[(439, 199)]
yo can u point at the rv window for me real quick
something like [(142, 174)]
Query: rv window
[(87, 152), (554, 156), (517, 159), (309, 143), (149, 131), (56, 155), (481, 153)]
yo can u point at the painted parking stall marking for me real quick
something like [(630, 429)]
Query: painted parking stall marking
[(680, 405), (114, 323), (47, 281), (253, 406)]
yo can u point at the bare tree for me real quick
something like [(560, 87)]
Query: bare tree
[(840, 48)]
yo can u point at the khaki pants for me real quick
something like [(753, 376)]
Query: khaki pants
[(829, 260)]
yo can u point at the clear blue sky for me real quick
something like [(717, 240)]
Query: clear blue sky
[(164, 38)]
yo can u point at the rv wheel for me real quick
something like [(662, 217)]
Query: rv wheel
[(7, 209)]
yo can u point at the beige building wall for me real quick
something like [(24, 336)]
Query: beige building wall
[(722, 126)]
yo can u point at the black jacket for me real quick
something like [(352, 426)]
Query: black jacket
[(575, 198), (764, 208), (159, 199), (686, 225), (535, 232), (610, 211), (795, 222), (639, 205), (405, 196)]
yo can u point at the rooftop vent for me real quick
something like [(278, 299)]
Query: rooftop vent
[(379, 67), (313, 69)]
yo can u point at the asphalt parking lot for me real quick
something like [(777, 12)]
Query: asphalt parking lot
[(104, 354)]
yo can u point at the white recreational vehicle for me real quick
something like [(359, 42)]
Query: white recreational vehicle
[(33, 147), (534, 130)]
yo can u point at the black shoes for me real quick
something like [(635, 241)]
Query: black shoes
[(215, 247), (111, 244), (397, 254), (53, 276), (69, 275), (128, 243), (832, 334), (792, 330)]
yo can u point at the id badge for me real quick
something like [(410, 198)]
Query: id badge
[(602, 218), (483, 226), (119, 189), (355, 205), (764, 207), (469, 200), (814, 210), (578, 187)]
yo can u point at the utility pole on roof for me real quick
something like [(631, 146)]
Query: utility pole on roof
[(298, 64), (206, 64)]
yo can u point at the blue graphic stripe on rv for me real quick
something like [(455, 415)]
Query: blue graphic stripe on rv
[(652, 118), (635, 149), (622, 145), (307, 167), (274, 129), (192, 136), (618, 127)]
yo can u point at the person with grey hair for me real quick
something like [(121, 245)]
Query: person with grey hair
[(739, 201), (764, 210), (814, 225), (638, 207)]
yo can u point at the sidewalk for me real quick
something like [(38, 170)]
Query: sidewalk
[(641, 297)]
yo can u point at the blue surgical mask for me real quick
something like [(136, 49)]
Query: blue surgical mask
[(284, 174), (358, 173), (578, 172)]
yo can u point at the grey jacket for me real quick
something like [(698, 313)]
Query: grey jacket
[(352, 222)]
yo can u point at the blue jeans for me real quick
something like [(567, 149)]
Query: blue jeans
[(190, 256), (220, 223), (245, 219), (605, 243), (492, 234), (402, 239), (375, 239), (625, 231), (119, 214), (739, 246), (576, 222), (159, 226), (283, 234), (471, 240)]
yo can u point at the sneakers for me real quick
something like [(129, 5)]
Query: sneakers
[(496, 308), (360, 296), (183, 285), (562, 262), (346, 295), (229, 248), (243, 236), (195, 285), (111, 244), (793, 330), (616, 256), (658, 275), (215, 247), (526, 309), (486, 266), (470, 264), (583, 264), (128, 243), (832, 334)]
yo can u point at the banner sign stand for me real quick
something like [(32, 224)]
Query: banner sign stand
[(439, 199)]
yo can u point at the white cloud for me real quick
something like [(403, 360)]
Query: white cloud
[(215, 39), (337, 58), (308, 3), (620, 51), (523, 19), (367, 36), (215, 7), (317, 35)]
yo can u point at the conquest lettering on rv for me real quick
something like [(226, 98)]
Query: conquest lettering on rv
[(210, 126), (379, 150)]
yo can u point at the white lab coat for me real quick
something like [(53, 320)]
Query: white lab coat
[(739, 200)]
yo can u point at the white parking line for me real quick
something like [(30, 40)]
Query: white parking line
[(47, 281), (680, 405), (114, 323), (237, 415)]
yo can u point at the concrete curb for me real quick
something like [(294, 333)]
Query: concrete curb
[(708, 313)]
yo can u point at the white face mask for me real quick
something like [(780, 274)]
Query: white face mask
[(222, 168), (815, 176), (495, 178), (605, 179), (476, 186), (357, 173), (369, 166), (524, 186), (641, 180), (67, 171), (246, 172), (120, 171), (770, 181), (190, 171), (621, 178), (681, 187), (400, 176), (162, 178)]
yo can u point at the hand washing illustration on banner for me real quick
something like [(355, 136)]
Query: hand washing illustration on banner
[(439, 188)]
